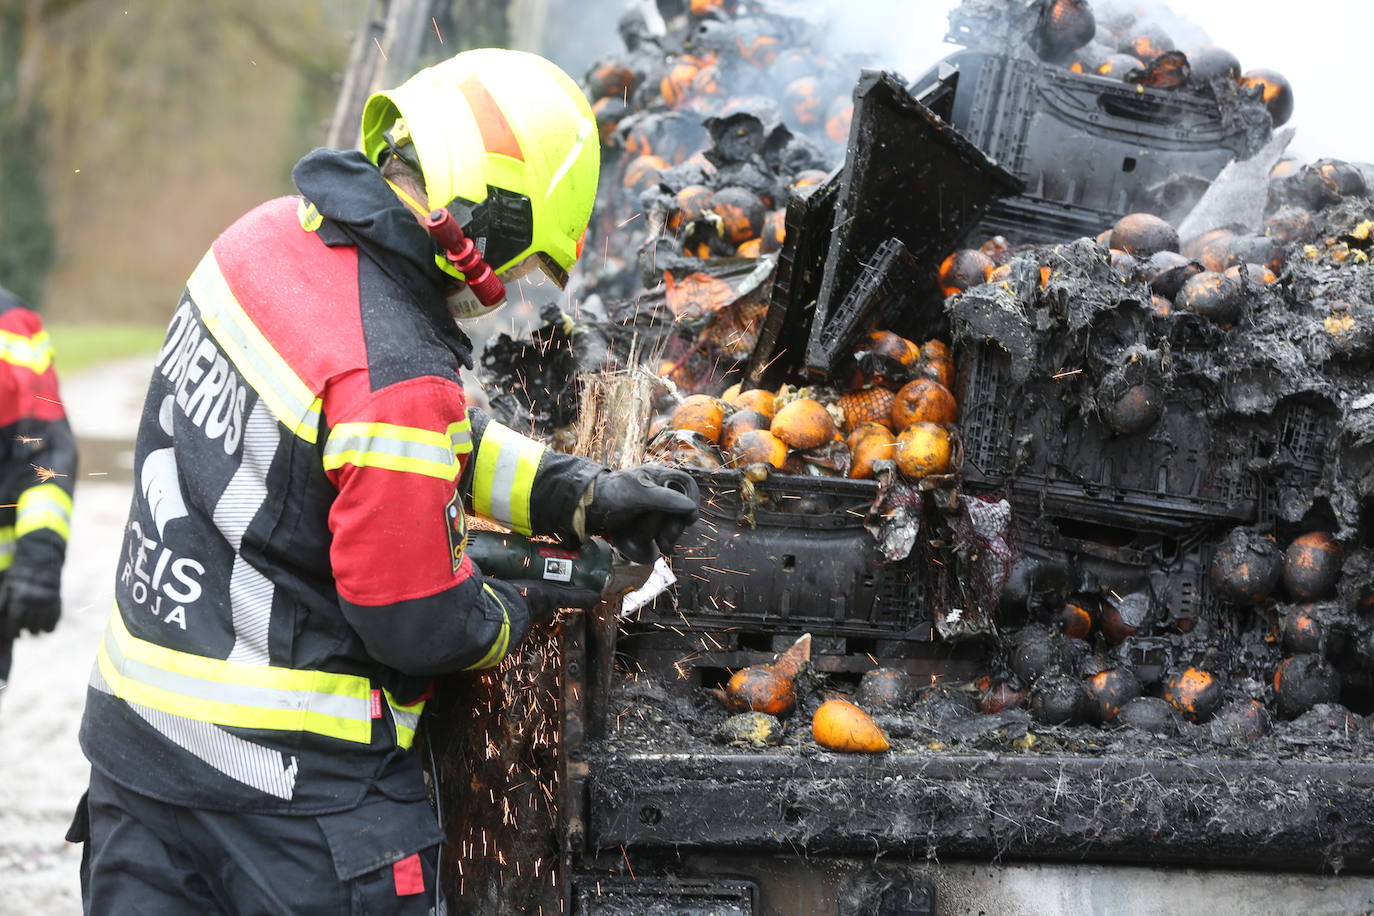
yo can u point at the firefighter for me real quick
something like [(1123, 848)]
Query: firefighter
[(37, 473), (293, 571)]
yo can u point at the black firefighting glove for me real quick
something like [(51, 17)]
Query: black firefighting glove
[(545, 599), (642, 510), (27, 606)]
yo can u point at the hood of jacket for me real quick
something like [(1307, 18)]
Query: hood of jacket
[(360, 209)]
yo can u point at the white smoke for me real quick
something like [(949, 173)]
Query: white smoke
[(1323, 60)]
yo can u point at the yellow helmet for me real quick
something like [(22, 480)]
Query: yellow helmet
[(507, 141)]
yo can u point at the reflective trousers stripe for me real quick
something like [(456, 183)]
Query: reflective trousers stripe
[(399, 448), (407, 719), (501, 644), (6, 547), (44, 506), (233, 694), (32, 353), (503, 476)]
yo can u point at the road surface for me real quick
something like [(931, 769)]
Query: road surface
[(42, 770)]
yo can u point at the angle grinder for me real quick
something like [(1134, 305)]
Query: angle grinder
[(596, 565)]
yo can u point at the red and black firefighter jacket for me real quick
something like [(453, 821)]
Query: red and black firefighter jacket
[(293, 571), (37, 452)]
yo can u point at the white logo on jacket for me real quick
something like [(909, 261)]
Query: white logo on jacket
[(208, 389)]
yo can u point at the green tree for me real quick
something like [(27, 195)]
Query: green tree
[(26, 236)]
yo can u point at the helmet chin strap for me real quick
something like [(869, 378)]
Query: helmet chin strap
[(413, 205)]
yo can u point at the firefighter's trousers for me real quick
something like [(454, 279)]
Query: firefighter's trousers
[(144, 856)]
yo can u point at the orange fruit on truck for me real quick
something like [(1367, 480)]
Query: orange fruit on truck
[(804, 424), (867, 444), (923, 401), (755, 399), (758, 446), (702, 414), (924, 450), (769, 688), (893, 346), (738, 423), (839, 725)]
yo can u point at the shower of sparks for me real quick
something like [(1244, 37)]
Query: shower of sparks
[(380, 49), (1066, 373), (439, 34), (45, 474), (26, 440)]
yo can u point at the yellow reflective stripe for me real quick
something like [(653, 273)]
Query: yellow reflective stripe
[(234, 694), (502, 641), (44, 506), (396, 448), (460, 436), (290, 399), (503, 478), (399, 448), (6, 547), (308, 215), (407, 719), (32, 353)]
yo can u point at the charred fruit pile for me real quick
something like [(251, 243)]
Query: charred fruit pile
[(1182, 430), (1217, 584), (1121, 41), (1124, 481), (706, 125), (896, 408)]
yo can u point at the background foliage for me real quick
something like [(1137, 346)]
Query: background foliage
[(131, 133)]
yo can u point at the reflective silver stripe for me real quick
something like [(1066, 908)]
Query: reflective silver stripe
[(405, 719), (398, 448), (259, 767), (250, 592), (276, 698), (262, 367), (46, 505), (460, 437), (503, 475)]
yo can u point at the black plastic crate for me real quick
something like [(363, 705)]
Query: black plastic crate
[(1304, 432), (1112, 562), (1294, 451), (891, 294), (796, 283), (1089, 148), (806, 563), (1026, 440), (1031, 221), (907, 176), (613, 895)]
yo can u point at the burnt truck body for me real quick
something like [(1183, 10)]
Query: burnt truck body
[(969, 813), (653, 811)]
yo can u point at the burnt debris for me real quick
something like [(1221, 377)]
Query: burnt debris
[(1074, 496)]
